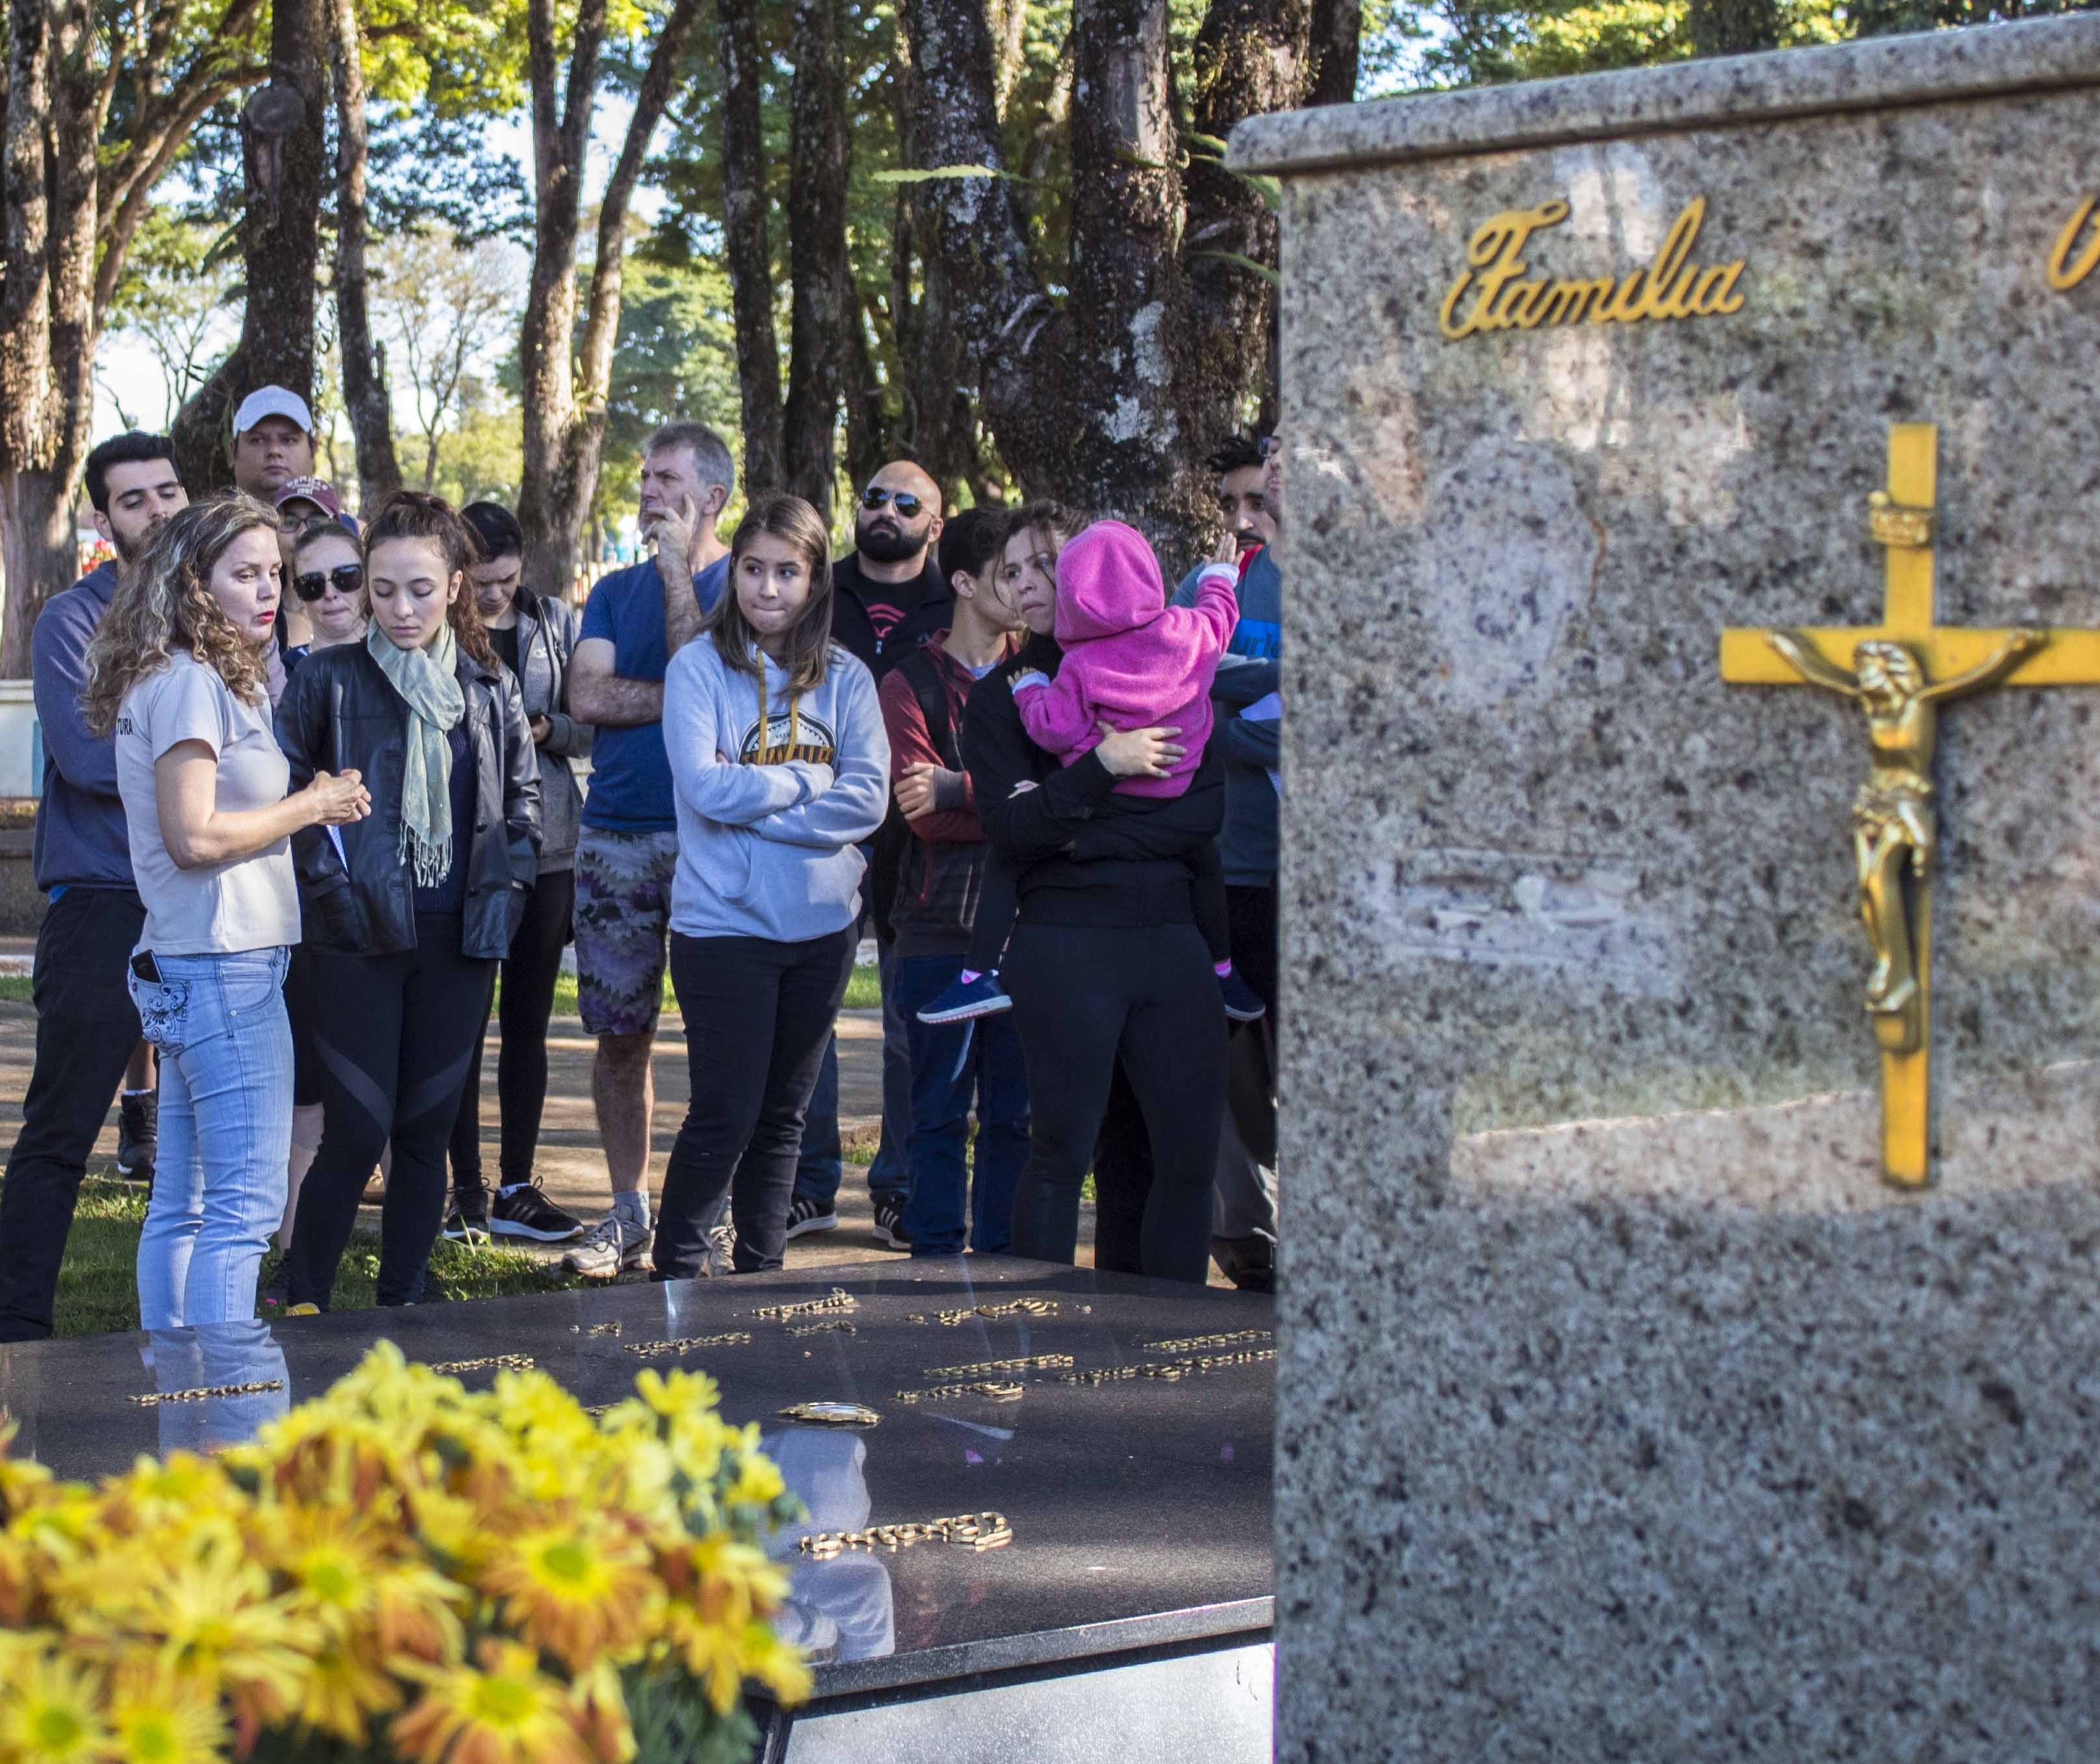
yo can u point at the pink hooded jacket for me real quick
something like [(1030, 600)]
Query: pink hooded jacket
[(1129, 656)]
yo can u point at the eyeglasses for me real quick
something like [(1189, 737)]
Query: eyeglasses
[(345, 578), (903, 501)]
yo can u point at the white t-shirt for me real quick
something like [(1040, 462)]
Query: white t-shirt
[(252, 903)]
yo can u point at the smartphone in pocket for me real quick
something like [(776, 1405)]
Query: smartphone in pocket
[(147, 970)]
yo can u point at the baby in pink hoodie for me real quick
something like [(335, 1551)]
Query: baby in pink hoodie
[(1130, 658), (1135, 662)]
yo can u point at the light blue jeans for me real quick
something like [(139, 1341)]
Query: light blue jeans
[(225, 1044)]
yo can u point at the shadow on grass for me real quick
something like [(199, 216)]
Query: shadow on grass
[(98, 1289)]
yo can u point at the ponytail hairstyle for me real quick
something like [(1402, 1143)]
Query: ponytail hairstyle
[(416, 515), (809, 637), (166, 604)]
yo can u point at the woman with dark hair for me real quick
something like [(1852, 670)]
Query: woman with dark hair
[(408, 912), (175, 673), (533, 636), (780, 767), (1114, 996), (328, 579)]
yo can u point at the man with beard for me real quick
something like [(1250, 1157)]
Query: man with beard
[(627, 853), (1249, 723), (87, 1029), (889, 599)]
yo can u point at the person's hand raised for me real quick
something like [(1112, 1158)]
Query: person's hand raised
[(337, 799), (1226, 551), (1139, 752), (674, 533)]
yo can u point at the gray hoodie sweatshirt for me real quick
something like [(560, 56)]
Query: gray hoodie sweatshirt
[(770, 818)]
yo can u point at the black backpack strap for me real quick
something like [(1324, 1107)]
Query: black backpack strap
[(923, 675)]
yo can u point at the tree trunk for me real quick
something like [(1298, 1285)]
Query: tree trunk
[(363, 371), (1110, 401), (818, 271), (748, 247), (283, 137), (1336, 39), (566, 389), (560, 132)]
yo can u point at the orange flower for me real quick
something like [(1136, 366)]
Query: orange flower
[(578, 1588)]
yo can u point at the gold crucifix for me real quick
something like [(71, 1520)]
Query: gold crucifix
[(1898, 673)]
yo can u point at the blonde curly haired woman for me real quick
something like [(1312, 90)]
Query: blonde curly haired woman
[(176, 672)]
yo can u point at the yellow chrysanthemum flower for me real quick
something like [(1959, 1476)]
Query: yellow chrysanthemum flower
[(508, 1712), (601, 1713), (578, 1589), (758, 1483), (51, 1713), (153, 1720), (345, 1691)]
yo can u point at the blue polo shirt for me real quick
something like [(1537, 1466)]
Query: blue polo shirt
[(630, 782)]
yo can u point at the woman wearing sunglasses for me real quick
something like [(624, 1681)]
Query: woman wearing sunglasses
[(327, 581)]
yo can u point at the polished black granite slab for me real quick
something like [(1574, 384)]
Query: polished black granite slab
[(1139, 1505)]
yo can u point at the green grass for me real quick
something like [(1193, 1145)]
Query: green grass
[(98, 1282), (863, 993)]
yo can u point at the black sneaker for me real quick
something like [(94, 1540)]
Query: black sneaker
[(806, 1215), (527, 1212), (138, 1134), (1242, 1005), (468, 1220), (889, 1222)]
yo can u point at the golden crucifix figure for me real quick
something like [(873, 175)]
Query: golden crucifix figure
[(1892, 817), (1900, 672)]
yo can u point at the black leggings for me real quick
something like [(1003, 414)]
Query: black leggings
[(999, 905), (396, 1034), (529, 972), (758, 1016), (1084, 998)]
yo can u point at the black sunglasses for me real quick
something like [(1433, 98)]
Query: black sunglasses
[(903, 501), (345, 578)]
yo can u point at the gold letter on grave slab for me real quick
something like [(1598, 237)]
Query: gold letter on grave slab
[(1898, 673), (2066, 271)]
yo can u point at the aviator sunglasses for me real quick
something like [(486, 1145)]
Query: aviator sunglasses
[(903, 501), (345, 578)]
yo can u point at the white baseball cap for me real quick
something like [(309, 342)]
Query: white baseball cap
[(271, 401)]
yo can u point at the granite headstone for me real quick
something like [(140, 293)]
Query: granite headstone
[(1627, 1413)]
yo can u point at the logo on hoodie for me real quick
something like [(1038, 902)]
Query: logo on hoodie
[(789, 735)]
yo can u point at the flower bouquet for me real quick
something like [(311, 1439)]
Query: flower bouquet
[(404, 1571)]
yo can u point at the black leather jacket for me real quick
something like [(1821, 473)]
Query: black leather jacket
[(342, 712)]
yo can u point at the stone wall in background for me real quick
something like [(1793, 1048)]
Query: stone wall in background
[(1625, 1413)]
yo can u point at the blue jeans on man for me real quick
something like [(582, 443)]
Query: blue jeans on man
[(821, 1167), (951, 1063)]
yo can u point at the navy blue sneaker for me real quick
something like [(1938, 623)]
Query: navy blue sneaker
[(980, 997), (1240, 1004)]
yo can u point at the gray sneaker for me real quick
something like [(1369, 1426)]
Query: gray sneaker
[(611, 1248)]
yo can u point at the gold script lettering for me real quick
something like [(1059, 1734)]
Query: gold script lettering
[(1504, 297), (2066, 270)]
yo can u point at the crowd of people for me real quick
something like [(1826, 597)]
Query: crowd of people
[(311, 790)]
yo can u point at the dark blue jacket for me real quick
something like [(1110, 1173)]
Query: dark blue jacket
[(1250, 670), (81, 839)]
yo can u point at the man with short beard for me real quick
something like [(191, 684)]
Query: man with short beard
[(889, 599), (87, 1029)]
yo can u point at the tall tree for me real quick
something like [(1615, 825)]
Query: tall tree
[(820, 303), (283, 150), (565, 385), (447, 307), (746, 244), (1337, 38), (1110, 399), (364, 393), (97, 103)]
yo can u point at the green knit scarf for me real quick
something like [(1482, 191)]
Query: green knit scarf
[(430, 689)]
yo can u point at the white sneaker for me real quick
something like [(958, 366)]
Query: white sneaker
[(611, 1248)]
